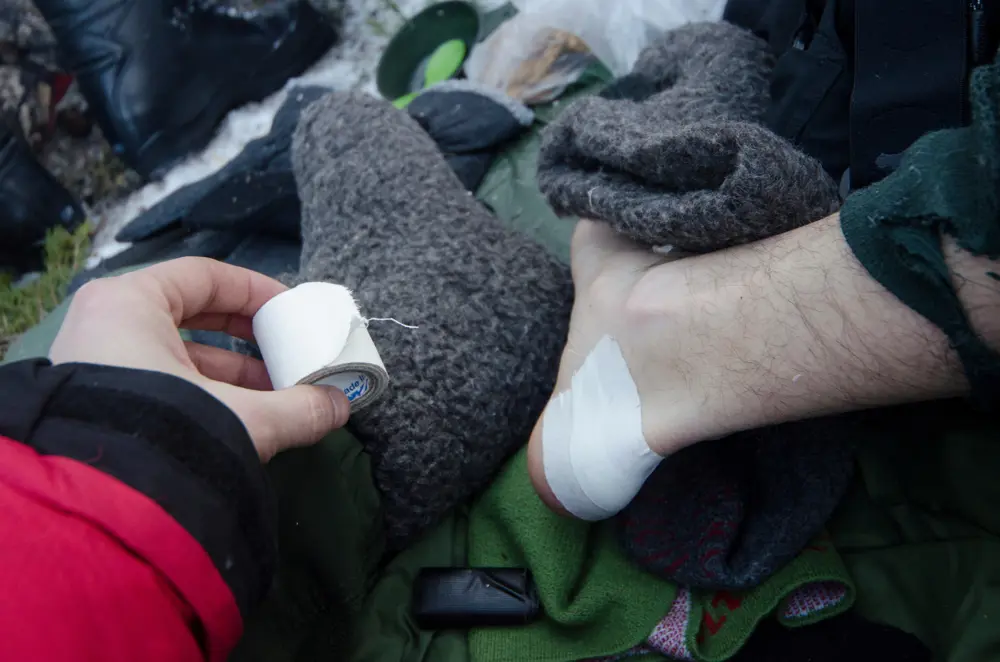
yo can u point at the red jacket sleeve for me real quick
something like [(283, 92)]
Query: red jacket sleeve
[(121, 540)]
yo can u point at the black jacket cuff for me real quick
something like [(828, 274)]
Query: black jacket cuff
[(164, 437)]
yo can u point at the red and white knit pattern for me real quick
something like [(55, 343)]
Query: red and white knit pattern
[(813, 598), (670, 635)]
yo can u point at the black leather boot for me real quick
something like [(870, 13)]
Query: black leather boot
[(160, 75), (32, 201)]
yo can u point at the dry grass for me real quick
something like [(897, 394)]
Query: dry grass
[(23, 307)]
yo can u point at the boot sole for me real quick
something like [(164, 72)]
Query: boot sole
[(311, 39)]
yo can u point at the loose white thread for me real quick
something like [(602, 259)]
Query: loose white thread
[(366, 320)]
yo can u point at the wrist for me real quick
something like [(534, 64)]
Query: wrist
[(683, 318)]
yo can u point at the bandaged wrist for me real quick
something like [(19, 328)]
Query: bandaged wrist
[(594, 453)]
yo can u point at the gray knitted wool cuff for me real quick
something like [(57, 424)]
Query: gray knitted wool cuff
[(672, 155)]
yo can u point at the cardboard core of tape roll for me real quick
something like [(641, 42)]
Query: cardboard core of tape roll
[(314, 334), (361, 381)]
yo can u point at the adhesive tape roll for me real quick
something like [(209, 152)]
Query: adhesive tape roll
[(315, 334)]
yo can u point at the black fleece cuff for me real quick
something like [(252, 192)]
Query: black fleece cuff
[(164, 437)]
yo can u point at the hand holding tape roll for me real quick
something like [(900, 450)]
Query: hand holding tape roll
[(315, 334)]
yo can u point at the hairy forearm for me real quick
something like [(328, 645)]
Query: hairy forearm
[(794, 327)]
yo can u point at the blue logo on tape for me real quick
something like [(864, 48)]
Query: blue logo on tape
[(357, 388)]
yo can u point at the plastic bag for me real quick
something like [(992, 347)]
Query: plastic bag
[(550, 43), (528, 62)]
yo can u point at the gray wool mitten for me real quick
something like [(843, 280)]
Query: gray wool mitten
[(384, 215), (673, 154)]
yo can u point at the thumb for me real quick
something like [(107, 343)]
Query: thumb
[(292, 417)]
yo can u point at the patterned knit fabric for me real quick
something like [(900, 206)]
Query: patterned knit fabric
[(597, 603)]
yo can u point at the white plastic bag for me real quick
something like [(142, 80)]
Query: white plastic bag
[(528, 62), (618, 30), (532, 58)]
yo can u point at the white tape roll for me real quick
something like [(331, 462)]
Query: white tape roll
[(315, 334)]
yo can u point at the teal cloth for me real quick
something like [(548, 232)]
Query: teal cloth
[(947, 182)]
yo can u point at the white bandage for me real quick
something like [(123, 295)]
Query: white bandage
[(594, 454)]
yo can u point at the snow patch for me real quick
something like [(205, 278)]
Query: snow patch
[(350, 65)]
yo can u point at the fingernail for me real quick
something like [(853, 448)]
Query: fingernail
[(341, 405)]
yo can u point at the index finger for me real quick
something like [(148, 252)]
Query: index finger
[(193, 286)]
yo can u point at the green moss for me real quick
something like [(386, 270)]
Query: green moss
[(23, 307)]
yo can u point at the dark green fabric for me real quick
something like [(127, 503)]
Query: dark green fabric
[(509, 188), (330, 546), (385, 631), (947, 182), (920, 530)]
